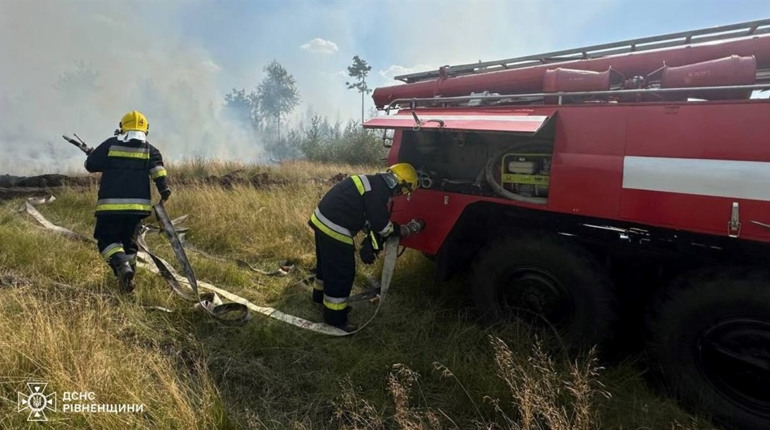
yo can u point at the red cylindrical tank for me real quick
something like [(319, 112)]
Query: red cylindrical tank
[(530, 79), (732, 70), (561, 79)]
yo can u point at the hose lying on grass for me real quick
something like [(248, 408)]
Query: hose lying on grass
[(186, 287)]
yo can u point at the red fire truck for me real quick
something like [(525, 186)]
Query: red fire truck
[(625, 182)]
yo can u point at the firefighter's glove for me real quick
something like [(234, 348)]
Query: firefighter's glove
[(367, 252), (397, 230), (165, 194), (412, 227)]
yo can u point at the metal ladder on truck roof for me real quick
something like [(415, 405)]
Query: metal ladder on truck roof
[(732, 31)]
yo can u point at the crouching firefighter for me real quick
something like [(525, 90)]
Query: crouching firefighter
[(357, 203), (127, 162)]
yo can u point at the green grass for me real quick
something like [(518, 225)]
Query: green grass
[(424, 362)]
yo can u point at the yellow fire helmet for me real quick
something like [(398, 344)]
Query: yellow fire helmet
[(134, 121), (406, 177)]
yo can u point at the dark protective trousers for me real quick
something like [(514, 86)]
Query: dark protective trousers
[(335, 273), (116, 235)]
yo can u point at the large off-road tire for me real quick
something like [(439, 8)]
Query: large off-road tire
[(545, 277), (709, 337)]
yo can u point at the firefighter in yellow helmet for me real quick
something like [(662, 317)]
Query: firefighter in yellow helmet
[(356, 203), (127, 162)]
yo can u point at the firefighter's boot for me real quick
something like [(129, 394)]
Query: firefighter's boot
[(318, 299), (131, 258), (318, 288), (339, 319), (318, 291), (132, 264), (123, 271)]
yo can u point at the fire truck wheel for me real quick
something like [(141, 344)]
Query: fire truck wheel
[(545, 278), (709, 338)]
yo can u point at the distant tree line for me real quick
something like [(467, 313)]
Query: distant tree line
[(315, 138)]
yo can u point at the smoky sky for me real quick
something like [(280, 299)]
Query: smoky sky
[(78, 66)]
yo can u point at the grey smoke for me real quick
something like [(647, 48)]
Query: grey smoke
[(78, 66)]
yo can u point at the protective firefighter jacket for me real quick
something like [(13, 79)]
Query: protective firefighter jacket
[(351, 204), (126, 167)]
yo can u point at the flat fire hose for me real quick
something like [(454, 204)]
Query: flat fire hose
[(226, 313), (159, 266), (214, 306), (388, 266), (29, 207)]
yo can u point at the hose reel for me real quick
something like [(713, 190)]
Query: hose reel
[(524, 172)]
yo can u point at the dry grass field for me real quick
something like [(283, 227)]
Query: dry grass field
[(425, 362)]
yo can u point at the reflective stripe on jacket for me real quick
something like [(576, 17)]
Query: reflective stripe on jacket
[(127, 167), (331, 229), (352, 204)]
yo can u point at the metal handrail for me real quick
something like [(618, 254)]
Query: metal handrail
[(731, 31), (562, 94)]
